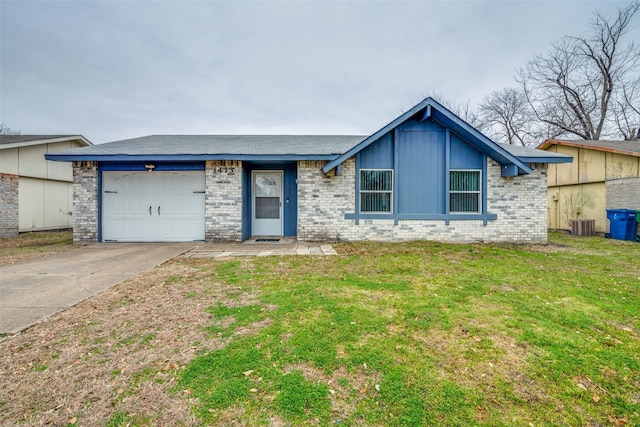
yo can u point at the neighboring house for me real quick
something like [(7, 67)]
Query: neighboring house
[(426, 175), (35, 194), (604, 175)]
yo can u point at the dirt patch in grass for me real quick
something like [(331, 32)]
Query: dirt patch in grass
[(115, 357), (27, 246)]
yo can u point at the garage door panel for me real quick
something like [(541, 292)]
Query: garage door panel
[(153, 206)]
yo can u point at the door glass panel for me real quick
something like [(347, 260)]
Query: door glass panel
[(267, 185), (267, 207)]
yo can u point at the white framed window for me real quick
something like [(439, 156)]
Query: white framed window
[(376, 190), (465, 191)]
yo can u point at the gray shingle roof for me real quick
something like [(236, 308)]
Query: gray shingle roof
[(525, 152), (14, 139), (167, 145), (250, 145)]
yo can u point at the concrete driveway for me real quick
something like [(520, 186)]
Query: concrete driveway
[(34, 290)]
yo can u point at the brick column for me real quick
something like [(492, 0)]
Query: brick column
[(85, 202), (223, 200), (9, 221)]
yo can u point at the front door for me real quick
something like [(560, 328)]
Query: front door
[(267, 203)]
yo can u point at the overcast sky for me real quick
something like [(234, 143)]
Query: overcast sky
[(113, 70)]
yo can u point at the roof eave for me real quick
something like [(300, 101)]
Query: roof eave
[(29, 143), (184, 157), (549, 142), (543, 159)]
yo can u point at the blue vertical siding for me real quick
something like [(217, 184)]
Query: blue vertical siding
[(421, 171), (378, 155), (421, 153), (464, 156)]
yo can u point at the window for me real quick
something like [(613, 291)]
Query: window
[(464, 191), (376, 190)]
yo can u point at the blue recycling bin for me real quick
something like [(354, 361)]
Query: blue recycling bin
[(622, 223)]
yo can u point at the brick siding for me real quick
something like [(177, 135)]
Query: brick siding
[(9, 221), (624, 194), (323, 201)]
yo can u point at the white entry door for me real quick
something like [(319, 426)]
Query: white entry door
[(153, 206), (267, 203)]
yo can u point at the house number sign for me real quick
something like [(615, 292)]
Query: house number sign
[(227, 170)]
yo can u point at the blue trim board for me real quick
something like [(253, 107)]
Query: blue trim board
[(396, 185), (447, 170), (357, 201), (158, 166), (99, 219), (443, 217), (485, 180)]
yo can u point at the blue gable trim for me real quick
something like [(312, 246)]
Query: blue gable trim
[(433, 110)]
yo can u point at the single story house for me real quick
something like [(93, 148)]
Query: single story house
[(35, 194), (605, 175), (426, 175)]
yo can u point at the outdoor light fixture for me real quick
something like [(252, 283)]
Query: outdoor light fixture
[(150, 168)]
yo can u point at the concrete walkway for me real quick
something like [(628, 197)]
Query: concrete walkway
[(34, 290), (256, 248)]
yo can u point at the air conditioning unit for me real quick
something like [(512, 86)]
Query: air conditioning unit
[(583, 227)]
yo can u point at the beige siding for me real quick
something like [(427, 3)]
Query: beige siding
[(591, 165), (552, 170), (580, 201), (567, 173), (44, 204), (32, 162), (621, 166), (58, 204), (578, 190), (59, 170), (31, 200), (9, 161), (45, 188)]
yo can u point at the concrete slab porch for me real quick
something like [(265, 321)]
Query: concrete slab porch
[(260, 246)]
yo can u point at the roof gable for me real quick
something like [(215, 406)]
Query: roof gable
[(429, 109)]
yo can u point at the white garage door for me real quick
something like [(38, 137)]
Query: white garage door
[(153, 206)]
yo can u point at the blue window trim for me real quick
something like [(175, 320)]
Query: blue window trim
[(444, 217), (482, 201), (484, 215)]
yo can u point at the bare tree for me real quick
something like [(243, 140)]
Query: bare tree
[(506, 116), (572, 87), (626, 110), (6, 130)]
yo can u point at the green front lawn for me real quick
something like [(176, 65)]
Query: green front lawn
[(425, 334)]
